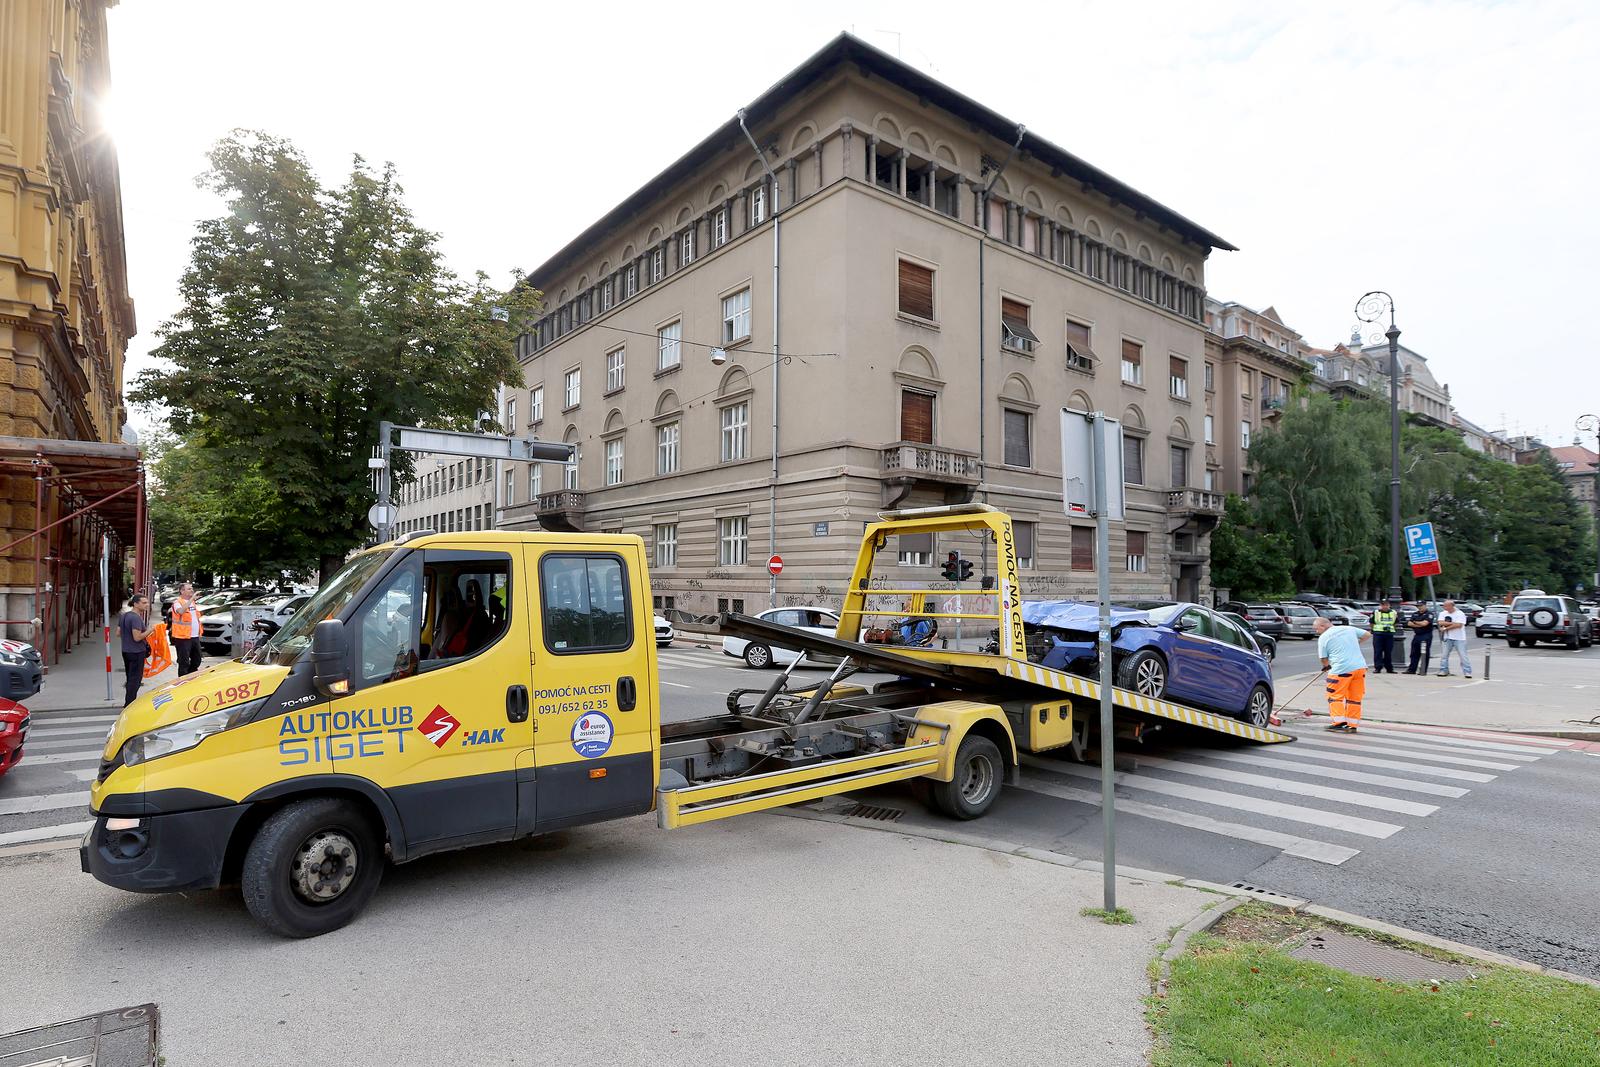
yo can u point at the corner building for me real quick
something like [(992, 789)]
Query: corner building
[(948, 283)]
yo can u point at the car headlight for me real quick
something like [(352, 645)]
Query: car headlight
[(142, 748), (11, 659)]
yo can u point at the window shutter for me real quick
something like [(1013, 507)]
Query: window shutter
[(1013, 313), (916, 543), (1180, 467), (916, 290), (1024, 535), (1082, 548), (1131, 351), (1078, 336), (1017, 450), (1133, 460), (916, 417)]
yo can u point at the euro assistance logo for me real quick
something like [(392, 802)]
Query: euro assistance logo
[(438, 725), (591, 735)]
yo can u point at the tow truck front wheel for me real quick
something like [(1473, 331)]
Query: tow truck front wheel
[(312, 867), (980, 772)]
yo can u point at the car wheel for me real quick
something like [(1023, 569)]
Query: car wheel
[(1477, 631), (757, 656), (1572, 641), (1145, 673), (980, 772), (1258, 710), (312, 867)]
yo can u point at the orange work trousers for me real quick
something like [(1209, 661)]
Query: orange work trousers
[(1344, 696)]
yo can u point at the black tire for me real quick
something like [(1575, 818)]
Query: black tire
[(1145, 673), (1572, 641), (275, 862), (757, 656), (980, 773), (1477, 631), (1258, 709)]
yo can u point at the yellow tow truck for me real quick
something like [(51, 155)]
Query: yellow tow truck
[(447, 690)]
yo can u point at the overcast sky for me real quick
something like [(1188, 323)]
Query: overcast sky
[(1443, 151)]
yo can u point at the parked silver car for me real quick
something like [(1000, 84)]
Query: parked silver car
[(1300, 620)]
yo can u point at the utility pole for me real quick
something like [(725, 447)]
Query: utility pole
[(1592, 424), (1370, 308)]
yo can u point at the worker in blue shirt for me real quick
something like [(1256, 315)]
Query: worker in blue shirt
[(1339, 648)]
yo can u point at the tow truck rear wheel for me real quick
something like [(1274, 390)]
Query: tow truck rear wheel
[(312, 867), (980, 772)]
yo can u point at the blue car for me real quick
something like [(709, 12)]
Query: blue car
[(1180, 652)]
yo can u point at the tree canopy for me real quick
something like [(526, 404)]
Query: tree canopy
[(309, 315)]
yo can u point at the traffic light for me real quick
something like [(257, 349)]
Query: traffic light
[(952, 567), (965, 571)]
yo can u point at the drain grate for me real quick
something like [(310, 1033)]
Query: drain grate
[(876, 812), (1257, 891), (125, 1037), (1360, 956)]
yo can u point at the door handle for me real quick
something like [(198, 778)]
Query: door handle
[(627, 694), (517, 703)]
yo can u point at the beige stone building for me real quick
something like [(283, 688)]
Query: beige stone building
[(948, 283), (1253, 362)]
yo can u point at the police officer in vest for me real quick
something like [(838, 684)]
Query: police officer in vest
[(1383, 626), (186, 630)]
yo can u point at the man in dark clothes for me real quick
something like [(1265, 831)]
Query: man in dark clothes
[(1420, 623), (134, 625)]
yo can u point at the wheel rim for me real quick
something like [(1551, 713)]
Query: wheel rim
[(1149, 679), (977, 779), (757, 655), (1260, 709), (324, 866)]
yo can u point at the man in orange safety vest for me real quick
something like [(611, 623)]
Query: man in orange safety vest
[(186, 630)]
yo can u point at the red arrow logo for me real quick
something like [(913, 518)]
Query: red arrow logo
[(438, 726)]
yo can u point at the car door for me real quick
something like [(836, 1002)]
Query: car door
[(1196, 669), (1240, 663), (594, 707)]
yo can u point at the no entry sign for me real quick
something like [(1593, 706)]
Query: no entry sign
[(775, 565)]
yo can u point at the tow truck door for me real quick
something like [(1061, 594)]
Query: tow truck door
[(594, 707)]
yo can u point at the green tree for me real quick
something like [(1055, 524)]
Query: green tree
[(1250, 562), (310, 315)]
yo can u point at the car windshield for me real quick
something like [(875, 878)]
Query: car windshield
[(1528, 603), (289, 643), (1162, 614)]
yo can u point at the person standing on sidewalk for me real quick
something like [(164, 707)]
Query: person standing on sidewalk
[(1421, 626), (134, 626), (1339, 648), (1384, 621), (186, 630), (1453, 629)]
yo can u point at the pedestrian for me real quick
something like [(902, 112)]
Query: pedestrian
[(1421, 626), (186, 630), (1383, 627), (1339, 647), (134, 626), (1453, 631)]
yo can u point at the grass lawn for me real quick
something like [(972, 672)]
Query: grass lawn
[(1243, 1002)]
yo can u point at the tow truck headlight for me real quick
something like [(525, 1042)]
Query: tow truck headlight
[(142, 748)]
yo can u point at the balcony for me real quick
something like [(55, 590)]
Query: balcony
[(906, 465), (1195, 510), (560, 511), (1272, 405)]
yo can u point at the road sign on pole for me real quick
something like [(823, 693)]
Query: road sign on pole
[(1078, 474), (1422, 548), (775, 566), (1105, 456)]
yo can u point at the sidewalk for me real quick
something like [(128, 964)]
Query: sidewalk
[(1526, 690), (78, 682), (765, 939)]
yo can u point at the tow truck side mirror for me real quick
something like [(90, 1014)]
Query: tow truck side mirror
[(330, 658)]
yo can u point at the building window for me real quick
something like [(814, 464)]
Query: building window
[(736, 432), (686, 247), (614, 461), (1138, 542), (1211, 430), (1132, 363), (667, 448), (574, 383), (511, 415), (1211, 480), (733, 541), (1247, 481), (616, 369), (511, 483), (1018, 438), (1079, 355), (736, 317), (997, 218), (1244, 433), (916, 290), (569, 477), (719, 227), (1244, 380), (658, 264), (736, 605), (669, 346), (758, 204), (1024, 533), (1014, 331), (1211, 377), (1178, 376), (1180, 467), (1083, 548), (1132, 459), (536, 405), (916, 550), (666, 544), (605, 295), (535, 481), (916, 417)]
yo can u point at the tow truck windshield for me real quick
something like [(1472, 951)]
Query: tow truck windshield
[(288, 644)]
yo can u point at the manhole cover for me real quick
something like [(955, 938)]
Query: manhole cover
[(874, 811), (125, 1037), (1360, 956)]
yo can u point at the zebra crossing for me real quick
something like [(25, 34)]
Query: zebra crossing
[(1320, 798), (44, 800)]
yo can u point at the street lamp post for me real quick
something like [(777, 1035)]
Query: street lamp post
[(1592, 424), (1370, 308)]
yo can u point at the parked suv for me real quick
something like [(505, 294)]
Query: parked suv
[(1536, 616)]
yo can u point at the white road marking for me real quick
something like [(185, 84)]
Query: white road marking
[(85, 774), (1416, 730), (676, 685), (1302, 750), (45, 833), (47, 802), (51, 731), (1342, 774), (45, 718), (36, 761), (1357, 744), (1277, 809), (1321, 851), (1285, 785), (85, 744), (1457, 748)]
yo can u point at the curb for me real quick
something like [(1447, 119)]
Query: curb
[(1180, 941), (1558, 732)]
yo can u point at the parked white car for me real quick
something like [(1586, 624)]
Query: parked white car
[(758, 655), (664, 632), (216, 629)]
